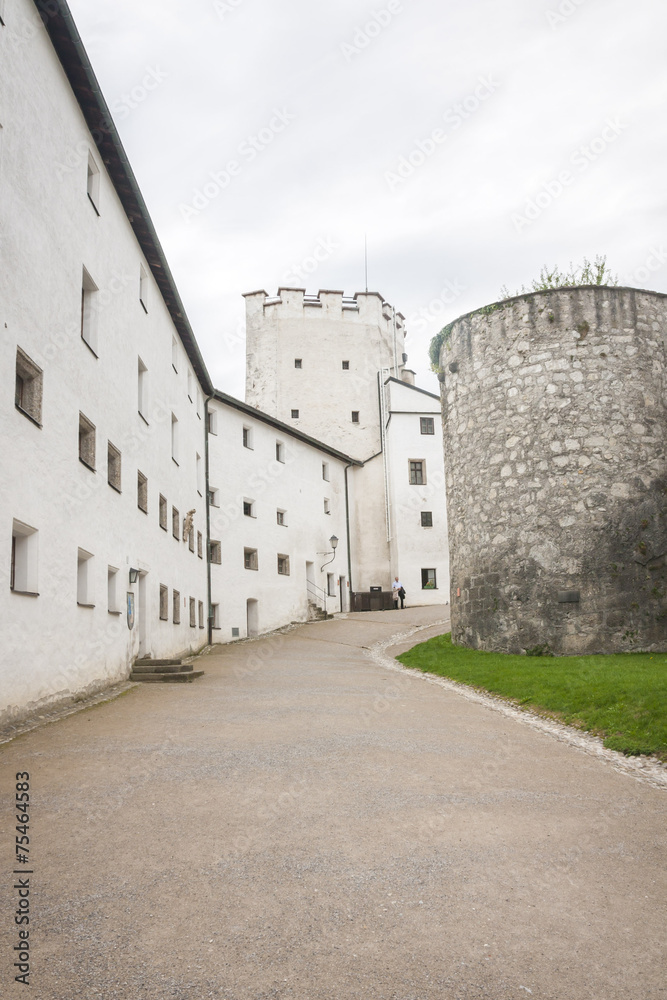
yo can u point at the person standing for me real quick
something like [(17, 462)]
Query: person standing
[(398, 592)]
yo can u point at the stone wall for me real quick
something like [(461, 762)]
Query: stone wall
[(555, 429)]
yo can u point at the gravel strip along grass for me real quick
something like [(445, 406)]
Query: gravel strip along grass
[(621, 698)]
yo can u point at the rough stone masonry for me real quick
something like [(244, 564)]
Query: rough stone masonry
[(555, 431)]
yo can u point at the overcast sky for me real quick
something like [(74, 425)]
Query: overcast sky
[(472, 140)]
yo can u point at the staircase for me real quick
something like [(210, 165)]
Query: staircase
[(316, 613), (163, 672), (317, 603)]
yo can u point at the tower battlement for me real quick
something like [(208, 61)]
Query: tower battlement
[(290, 303)]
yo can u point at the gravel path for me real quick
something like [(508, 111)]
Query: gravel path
[(308, 822)]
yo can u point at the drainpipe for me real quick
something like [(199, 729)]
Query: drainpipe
[(208, 525), (347, 525)]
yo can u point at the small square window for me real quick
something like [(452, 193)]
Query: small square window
[(428, 579), (250, 559), (346, 366), (427, 518), (426, 425), (142, 492), (283, 565), (175, 524), (327, 506), (176, 607), (355, 416), (200, 610), (113, 466), (295, 414), (215, 549), (164, 603), (247, 437), (86, 442), (325, 471), (200, 545), (193, 613), (280, 452), (248, 506), (280, 517), (163, 512), (29, 383), (297, 363), (143, 287), (417, 472), (214, 497)]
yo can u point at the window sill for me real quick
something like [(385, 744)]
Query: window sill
[(143, 306), (200, 555), (117, 613), (174, 367), (162, 619), (174, 460), (253, 569), (80, 605), (28, 415), (143, 417), (144, 510), (116, 488), (199, 493), (164, 527), (84, 462), (429, 588), (201, 626), (24, 593), (91, 349), (97, 211)]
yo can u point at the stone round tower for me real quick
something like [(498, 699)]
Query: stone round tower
[(555, 428)]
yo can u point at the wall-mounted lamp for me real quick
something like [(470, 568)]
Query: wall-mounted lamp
[(333, 542), (134, 573)]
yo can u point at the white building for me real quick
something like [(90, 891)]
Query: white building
[(143, 513), (334, 367)]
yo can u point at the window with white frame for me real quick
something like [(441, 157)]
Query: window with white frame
[(193, 613), (191, 540), (417, 472), (355, 416), (298, 363), (426, 425), (325, 471), (346, 366), (200, 609), (327, 506), (84, 579), (113, 466), (174, 438), (86, 442), (247, 437), (331, 584), (143, 287), (142, 492), (283, 564), (215, 616), (142, 388), (215, 548), (281, 517), (164, 603), (212, 419), (163, 512), (112, 591), (250, 560), (23, 568), (88, 311), (295, 414), (93, 183), (176, 607), (175, 524), (427, 518), (214, 496), (248, 507), (280, 452), (29, 387), (200, 545), (429, 579)]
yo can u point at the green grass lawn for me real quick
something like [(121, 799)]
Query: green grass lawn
[(622, 698)]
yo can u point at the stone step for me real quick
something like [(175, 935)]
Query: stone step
[(147, 661), (155, 678), (170, 668)]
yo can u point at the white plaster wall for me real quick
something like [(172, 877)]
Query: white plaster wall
[(322, 334), (51, 647), (295, 486), (415, 547), (371, 562)]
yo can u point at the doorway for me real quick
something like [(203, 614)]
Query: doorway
[(252, 612)]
